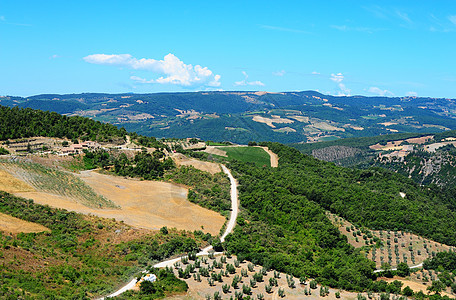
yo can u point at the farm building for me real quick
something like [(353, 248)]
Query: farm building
[(150, 277)]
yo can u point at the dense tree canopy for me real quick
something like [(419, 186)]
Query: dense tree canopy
[(284, 225), (22, 123), (369, 198)]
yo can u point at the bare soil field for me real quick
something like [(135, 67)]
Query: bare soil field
[(397, 246), (269, 121), (10, 184), (285, 130), (325, 126), (182, 160), (143, 204), (420, 140), (9, 224), (416, 285), (422, 279), (214, 150), (394, 145)]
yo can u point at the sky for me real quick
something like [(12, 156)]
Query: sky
[(372, 48)]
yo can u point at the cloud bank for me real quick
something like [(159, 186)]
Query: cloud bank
[(378, 91), (174, 70), (338, 78), (245, 82)]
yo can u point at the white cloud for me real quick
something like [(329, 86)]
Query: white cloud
[(245, 82), (315, 73), (279, 73), (174, 70), (412, 94), (141, 80), (377, 91), (344, 91), (358, 29), (54, 56), (452, 19), (403, 16), (2, 18), (337, 77)]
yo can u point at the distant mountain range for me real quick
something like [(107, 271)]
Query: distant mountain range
[(290, 117)]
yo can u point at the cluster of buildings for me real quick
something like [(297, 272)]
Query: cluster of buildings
[(78, 148)]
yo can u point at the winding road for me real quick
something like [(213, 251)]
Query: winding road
[(205, 251), (395, 269)]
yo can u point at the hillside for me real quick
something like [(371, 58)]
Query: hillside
[(81, 255), (428, 159), (283, 223), (241, 117), (284, 210)]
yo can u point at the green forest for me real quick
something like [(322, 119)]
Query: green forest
[(18, 123), (23, 123), (284, 225)]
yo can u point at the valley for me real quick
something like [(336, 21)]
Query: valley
[(240, 117), (296, 219)]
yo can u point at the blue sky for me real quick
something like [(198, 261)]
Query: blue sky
[(392, 48)]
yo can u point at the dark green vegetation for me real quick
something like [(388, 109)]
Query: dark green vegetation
[(371, 197), (143, 165), (210, 191), (360, 154), (167, 284), (285, 226), (3, 151), (442, 261), (228, 116), (82, 257), (18, 123), (434, 169), (22, 123), (248, 154)]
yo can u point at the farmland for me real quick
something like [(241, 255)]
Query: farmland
[(247, 154)]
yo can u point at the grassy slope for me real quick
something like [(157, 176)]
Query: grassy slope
[(248, 154)]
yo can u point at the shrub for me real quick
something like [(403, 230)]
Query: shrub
[(313, 284)]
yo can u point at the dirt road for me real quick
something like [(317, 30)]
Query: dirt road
[(274, 157), (205, 251)]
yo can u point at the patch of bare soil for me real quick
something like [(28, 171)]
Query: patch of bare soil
[(143, 204), (420, 140), (216, 151), (182, 160), (269, 121), (394, 145), (14, 225), (285, 130), (274, 157), (10, 184), (416, 286)]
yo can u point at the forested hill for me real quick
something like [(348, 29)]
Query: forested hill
[(284, 225), (369, 197), (240, 117), (22, 123), (18, 123)]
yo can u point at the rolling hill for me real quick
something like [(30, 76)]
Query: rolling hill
[(283, 223), (239, 117)]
